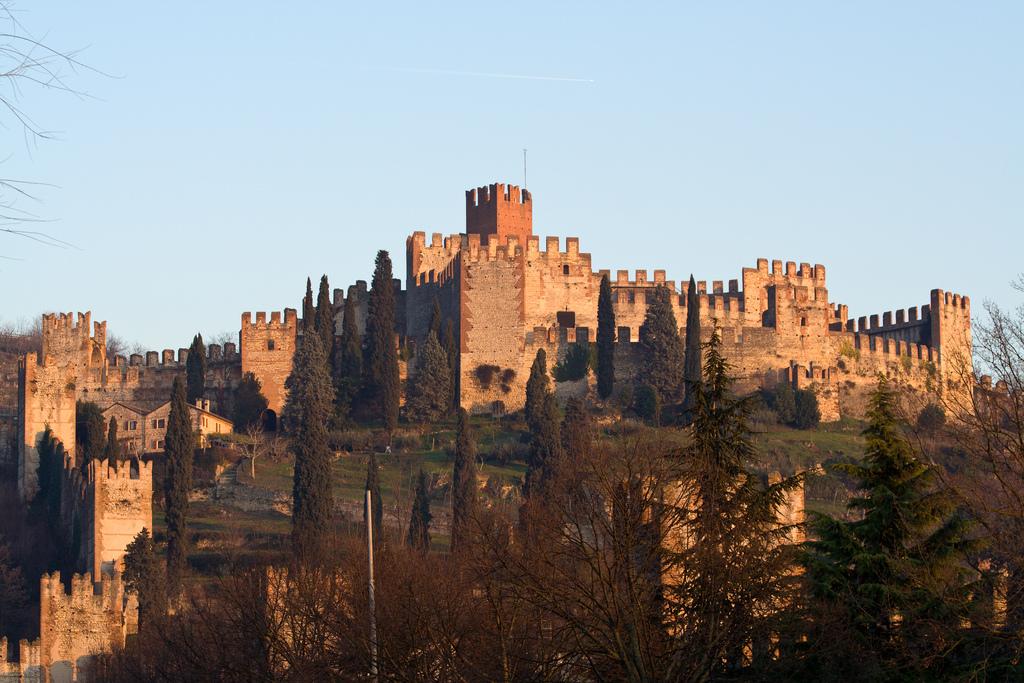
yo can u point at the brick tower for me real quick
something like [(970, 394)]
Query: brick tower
[(500, 210)]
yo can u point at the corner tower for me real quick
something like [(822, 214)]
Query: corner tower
[(501, 211)]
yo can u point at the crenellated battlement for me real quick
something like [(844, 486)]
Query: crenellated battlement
[(276, 322), (481, 197), (499, 211), (791, 269), (74, 341), (889, 321)]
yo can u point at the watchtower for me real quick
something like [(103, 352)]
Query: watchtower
[(500, 210)]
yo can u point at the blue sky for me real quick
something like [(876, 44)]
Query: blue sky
[(280, 140)]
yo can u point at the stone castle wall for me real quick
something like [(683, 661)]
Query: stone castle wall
[(268, 347), (109, 504), (509, 297), (75, 626)]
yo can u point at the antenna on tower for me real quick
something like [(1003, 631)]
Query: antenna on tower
[(524, 167)]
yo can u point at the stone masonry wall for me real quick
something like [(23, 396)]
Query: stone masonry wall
[(267, 351)]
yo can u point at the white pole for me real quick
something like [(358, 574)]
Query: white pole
[(373, 608)]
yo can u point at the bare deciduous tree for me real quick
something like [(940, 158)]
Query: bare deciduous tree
[(27, 63)]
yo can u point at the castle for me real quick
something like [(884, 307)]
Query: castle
[(102, 508), (508, 295)]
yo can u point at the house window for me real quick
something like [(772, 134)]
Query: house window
[(204, 422), (153, 423), (160, 444), (152, 444), (161, 423), (132, 425), (270, 345)]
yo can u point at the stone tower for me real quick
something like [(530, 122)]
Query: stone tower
[(500, 210), (267, 351)]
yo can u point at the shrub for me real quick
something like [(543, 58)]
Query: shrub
[(508, 375), (485, 374), (575, 365), (807, 414), (931, 419), (783, 402), (646, 403)]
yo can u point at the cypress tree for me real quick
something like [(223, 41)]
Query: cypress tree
[(90, 431), (464, 491), (895, 574), (348, 371), (13, 593), (691, 358), (451, 349), (537, 388), (250, 403), (429, 391), (435, 318), (577, 431), (605, 340), (373, 486), (112, 449), (144, 575), (324, 318), (661, 346), (382, 383), (50, 476), (195, 370), (308, 310), (310, 399), (419, 523), (178, 452), (545, 447)]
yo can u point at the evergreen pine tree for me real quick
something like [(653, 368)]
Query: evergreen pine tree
[(308, 310), (310, 399), (577, 431), (435, 318), (250, 403), (373, 486), (691, 357), (661, 346), (179, 447), (605, 340), (195, 370), (144, 575), (464, 491), (429, 391), (112, 449), (324, 318), (737, 541), (537, 388), (894, 575), (348, 371), (419, 523), (381, 377)]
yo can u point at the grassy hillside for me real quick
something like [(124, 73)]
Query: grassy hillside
[(239, 517)]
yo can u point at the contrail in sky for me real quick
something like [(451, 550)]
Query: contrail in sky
[(482, 74)]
